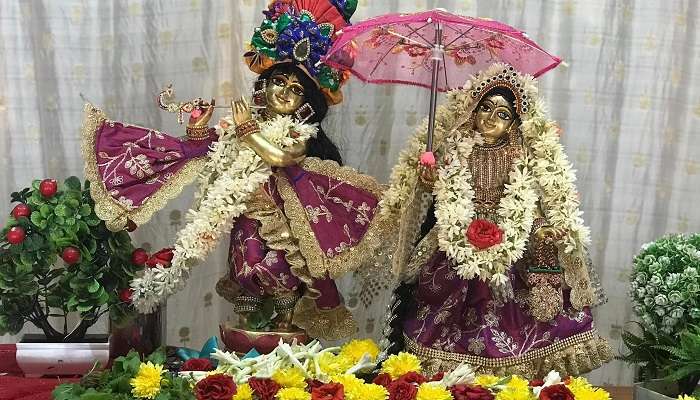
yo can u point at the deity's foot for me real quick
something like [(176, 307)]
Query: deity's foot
[(283, 322)]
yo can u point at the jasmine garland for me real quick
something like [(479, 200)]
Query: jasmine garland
[(231, 175)]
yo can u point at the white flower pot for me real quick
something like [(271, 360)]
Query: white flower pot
[(38, 359), (656, 389)]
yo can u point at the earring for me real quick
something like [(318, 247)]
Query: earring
[(304, 112), (259, 93)]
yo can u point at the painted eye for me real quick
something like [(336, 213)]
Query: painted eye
[(485, 108), (278, 81), (504, 116), (297, 90)]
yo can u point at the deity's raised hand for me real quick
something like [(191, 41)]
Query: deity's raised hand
[(241, 111)]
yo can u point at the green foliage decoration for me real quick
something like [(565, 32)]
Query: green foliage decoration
[(116, 383), (37, 286)]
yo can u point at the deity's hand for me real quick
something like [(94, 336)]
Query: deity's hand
[(549, 234), (201, 113), (241, 111), (427, 174)]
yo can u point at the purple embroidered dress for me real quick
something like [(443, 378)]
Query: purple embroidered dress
[(309, 224), (452, 320), (135, 171)]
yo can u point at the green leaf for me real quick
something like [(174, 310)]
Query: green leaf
[(83, 308), (67, 391), (91, 394), (85, 210), (27, 258), (37, 219), (60, 210), (158, 356), (73, 183), (94, 287), (45, 211)]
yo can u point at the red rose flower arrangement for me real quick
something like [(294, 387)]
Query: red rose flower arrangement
[(556, 392), (470, 392), (329, 391), (402, 390), (382, 380), (264, 388), (215, 387), (484, 234)]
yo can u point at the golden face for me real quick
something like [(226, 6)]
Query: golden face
[(284, 94), (494, 117)]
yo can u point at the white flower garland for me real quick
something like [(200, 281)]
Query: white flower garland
[(543, 170), (233, 172), (454, 211)]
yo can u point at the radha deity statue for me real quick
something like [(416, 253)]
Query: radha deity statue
[(492, 249), (297, 218)]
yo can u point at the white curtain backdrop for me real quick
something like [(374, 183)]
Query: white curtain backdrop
[(628, 101)]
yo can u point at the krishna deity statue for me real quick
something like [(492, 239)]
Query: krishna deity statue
[(492, 249), (268, 174)]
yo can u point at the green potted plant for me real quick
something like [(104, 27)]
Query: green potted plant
[(665, 294), (61, 269)]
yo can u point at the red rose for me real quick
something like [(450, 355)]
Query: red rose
[(484, 234), (312, 384), (382, 380), (469, 392), (162, 257), (329, 391), (197, 364), (402, 390), (437, 377), (215, 387), (413, 377), (556, 392), (125, 295), (264, 388), (536, 382)]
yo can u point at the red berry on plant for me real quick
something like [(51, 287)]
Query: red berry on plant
[(21, 210), (139, 257), (48, 187), (16, 235), (125, 295), (71, 255)]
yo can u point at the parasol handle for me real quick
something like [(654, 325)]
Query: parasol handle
[(436, 59)]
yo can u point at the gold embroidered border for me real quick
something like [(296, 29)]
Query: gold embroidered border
[(577, 278), (332, 324), (424, 251), (318, 263), (572, 356), (107, 208), (275, 231)]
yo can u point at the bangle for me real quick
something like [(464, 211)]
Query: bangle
[(246, 128), (197, 132)]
